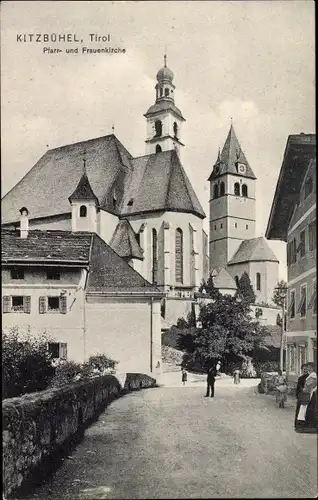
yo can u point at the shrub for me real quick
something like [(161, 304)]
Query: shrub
[(66, 372), (26, 363), (265, 366)]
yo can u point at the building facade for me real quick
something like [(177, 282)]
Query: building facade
[(293, 219)]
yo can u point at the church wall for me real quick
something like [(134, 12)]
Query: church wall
[(238, 269), (106, 226), (167, 259), (269, 279), (51, 224)]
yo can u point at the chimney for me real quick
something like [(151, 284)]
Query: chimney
[(24, 222)]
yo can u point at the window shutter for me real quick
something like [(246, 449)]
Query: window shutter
[(42, 305), (6, 304), (63, 350), (27, 304), (63, 304)]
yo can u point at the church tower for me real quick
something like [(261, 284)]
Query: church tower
[(164, 119), (232, 202)]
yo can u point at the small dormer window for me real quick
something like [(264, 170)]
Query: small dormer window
[(83, 211), (158, 148), (130, 203)]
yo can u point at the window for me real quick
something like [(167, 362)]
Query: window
[(166, 92), (16, 303), (83, 211), (309, 185), (302, 244), (154, 256), (236, 281), (221, 225), (216, 191), (158, 148), (17, 274), (302, 356), (246, 226), (130, 202), (53, 304), (291, 252), (158, 128), (312, 236), (53, 275), (235, 224), (258, 281), (175, 129), (215, 226), (222, 189), (237, 189), (58, 350), (303, 302), (179, 256), (292, 305), (244, 190), (291, 358), (161, 91), (313, 301)]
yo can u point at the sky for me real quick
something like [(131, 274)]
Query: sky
[(252, 61)]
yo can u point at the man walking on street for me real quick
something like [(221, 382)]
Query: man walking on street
[(210, 382)]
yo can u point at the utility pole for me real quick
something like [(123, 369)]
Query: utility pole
[(283, 295)]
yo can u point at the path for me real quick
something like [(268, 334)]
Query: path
[(171, 442)]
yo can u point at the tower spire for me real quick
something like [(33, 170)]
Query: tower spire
[(165, 60)]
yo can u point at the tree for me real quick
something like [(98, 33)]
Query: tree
[(279, 295), (228, 332), (245, 288), (209, 287)]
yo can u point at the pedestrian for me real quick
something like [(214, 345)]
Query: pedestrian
[(307, 416), (281, 390), (299, 388), (218, 366), (210, 382), (236, 376), (184, 376)]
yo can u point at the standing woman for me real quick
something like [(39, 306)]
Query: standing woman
[(306, 418), (300, 385), (281, 390), (236, 376)]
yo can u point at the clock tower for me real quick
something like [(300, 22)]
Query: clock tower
[(164, 119), (232, 202)]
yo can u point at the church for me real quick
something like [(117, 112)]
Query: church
[(147, 211)]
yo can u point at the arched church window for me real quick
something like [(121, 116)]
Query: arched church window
[(222, 189), (216, 191), (83, 211), (237, 189), (158, 128), (158, 148), (175, 129), (154, 256), (258, 281), (179, 255), (244, 190), (166, 92)]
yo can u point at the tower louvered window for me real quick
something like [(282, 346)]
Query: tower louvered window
[(244, 190), (154, 256), (222, 189), (237, 189), (179, 256)]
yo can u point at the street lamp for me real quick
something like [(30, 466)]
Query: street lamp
[(282, 294)]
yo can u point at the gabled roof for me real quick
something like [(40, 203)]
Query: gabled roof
[(159, 183), (45, 189), (300, 150), (124, 241), (231, 155), (108, 272), (83, 190), (45, 246), (222, 279), (164, 106), (253, 250)]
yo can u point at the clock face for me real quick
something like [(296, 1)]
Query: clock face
[(241, 168)]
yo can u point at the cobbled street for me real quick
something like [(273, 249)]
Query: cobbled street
[(172, 442)]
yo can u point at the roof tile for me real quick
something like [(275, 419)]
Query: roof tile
[(255, 249)]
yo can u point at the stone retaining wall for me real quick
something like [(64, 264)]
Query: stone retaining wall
[(36, 426)]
